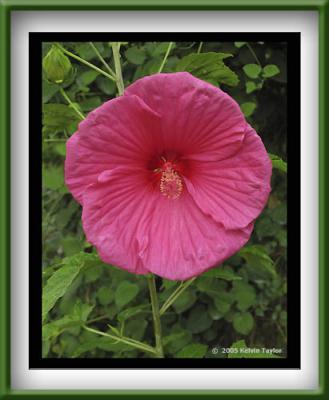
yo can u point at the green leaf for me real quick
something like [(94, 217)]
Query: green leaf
[(60, 149), (184, 301), (176, 341), (248, 108), (135, 55), (93, 274), (91, 103), (195, 350), (58, 117), (48, 90), (222, 272), (278, 163), (279, 214), (270, 70), (105, 295), (257, 257), (157, 49), (222, 305), (132, 311), (71, 244), (209, 67), (76, 318), (86, 52), (252, 70), (53, 178), (198, 320), (60, 281), (106, 85), (244, 294), (86, 78), (125, 293), (243, 323), (239, 44), (135, 328), (250, 87)]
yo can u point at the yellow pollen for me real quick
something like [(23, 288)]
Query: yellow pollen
[(171, 184)]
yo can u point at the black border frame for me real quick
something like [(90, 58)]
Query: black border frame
[(35, 202)]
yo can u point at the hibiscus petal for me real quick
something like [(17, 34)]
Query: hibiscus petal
[(184, 242), (199, 120), (112, 210), (120, 132), (234, 191), (135, 227)]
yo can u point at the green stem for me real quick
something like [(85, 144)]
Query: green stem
[(102, 59), (85, 62), (253, 54), (156, 316), (165, 57), (117, 66), (123, 339), (200, 47), (75, 108), (173, 297), (55, 140)]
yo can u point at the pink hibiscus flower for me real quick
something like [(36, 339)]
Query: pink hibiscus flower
[(170, 177)]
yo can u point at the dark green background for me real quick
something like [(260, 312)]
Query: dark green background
[(321, 6)]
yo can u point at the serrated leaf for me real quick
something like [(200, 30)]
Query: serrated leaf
[(243, 323), (278, 163), (193, 351), (209, 67), (61, 280), (270, 70), (125, 293), (252, 70)]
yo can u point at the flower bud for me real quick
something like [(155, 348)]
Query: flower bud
[(56, 65)]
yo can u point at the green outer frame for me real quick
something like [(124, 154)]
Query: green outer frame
[(6, 6)]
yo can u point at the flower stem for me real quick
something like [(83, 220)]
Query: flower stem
[(199, 48), (85, 62), (165, 57), (117, 66), (173, 297), (123, 339), (156, 316), (102, 59), (55, 140), (75, 108), (253, 54)]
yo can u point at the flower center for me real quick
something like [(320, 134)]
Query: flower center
[(171, 184)]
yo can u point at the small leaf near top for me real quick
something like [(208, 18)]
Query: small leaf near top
[(209, 67)]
